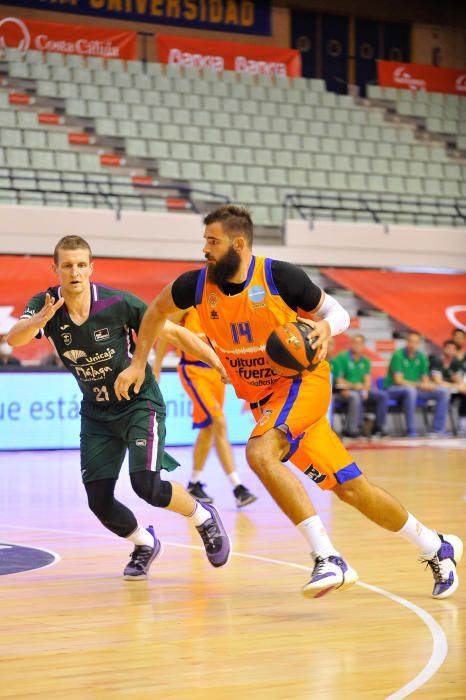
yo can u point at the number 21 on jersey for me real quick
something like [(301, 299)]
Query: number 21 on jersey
[(240, 331), (101, 393)]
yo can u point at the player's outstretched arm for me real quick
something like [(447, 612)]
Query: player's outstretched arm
[(27, 328), (192, 344), (152, 323), (162, 345)]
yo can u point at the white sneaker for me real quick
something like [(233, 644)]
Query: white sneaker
[(329, 574), (443, 566)]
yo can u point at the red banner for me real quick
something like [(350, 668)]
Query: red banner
[(27, 34), (223, 55), (412, 76), (24, 276), (432, 304)]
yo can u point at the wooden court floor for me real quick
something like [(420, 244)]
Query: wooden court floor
[(76, 630)]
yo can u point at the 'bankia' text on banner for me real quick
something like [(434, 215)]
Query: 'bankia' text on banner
[(26, 34), (224, 55), (413, 76), (242, 16)]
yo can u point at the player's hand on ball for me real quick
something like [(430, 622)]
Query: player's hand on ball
[(125, 380), (318, 336), (48, 310)]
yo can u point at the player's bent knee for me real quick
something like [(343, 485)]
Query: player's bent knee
[(350, 492), (258, 455), (151, 488)]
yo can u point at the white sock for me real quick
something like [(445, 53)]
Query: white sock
[(196, 476), (316, 536), (422, 537), (234, 479), (141, 536), (199, 514)]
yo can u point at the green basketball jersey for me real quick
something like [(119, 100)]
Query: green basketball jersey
[(96, 351)]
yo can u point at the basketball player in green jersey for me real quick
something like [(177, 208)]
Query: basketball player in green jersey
[(91, 327)]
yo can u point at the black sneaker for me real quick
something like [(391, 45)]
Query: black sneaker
[(141, 559), (243, 496), (216, 541), (196, 489), (379, 433)]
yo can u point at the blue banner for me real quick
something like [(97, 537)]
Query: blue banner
[(335, 29), (242, 16), (304, 39), (40, 411), (396, 42), (367, 38)]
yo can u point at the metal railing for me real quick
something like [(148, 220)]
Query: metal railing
[(377, 206), (166, 192)]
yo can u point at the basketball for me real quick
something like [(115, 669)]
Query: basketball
[(289, 350)]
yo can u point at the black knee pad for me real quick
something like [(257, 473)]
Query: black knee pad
[(150, 487), (111, 513), (100, 496)]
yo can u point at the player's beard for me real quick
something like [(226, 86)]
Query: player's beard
[(225, 268)]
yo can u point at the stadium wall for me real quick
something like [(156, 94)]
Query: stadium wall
[(145, 235), (436, 26)]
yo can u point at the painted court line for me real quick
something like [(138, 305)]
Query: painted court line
[(439, 640), (55, 560)]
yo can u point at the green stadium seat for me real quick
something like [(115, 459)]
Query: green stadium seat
[(158, 149), (20, 70), (66, 161), (12, 137), (233, 137), (16, 157)]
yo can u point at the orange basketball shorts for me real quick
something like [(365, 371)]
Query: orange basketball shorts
[(205, 389), (300, 408)]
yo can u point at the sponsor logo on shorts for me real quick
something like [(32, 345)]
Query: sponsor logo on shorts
[(315, 474), (141, 442), (102, 334), (265, 416)]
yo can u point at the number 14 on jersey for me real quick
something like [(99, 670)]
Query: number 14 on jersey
[(241, 331)]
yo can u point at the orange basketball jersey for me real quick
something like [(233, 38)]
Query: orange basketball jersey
[(192, 322), (238, 327)]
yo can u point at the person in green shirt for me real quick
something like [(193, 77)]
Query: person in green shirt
[(408, 380), (445, 369), (92, 328), (458, 336), (354, 386)]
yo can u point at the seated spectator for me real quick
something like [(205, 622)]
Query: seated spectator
[(6, 357), (408, 380), (458, 337), (446, 369), (353, 383)]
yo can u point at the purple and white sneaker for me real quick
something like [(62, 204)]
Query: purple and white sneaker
[(329, 574), (141, 559), (443, 566), (216, 541)]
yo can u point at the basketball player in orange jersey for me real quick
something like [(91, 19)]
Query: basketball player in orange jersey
[(206, 390), (251, 296)]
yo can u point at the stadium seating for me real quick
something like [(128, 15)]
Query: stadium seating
[(254, 139)]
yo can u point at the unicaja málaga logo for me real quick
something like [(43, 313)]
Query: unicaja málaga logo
[(14, 26)]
